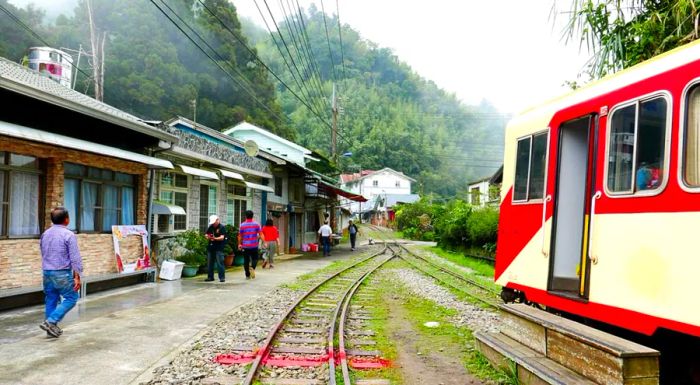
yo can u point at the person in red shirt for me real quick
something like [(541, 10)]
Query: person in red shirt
[(272, 241)]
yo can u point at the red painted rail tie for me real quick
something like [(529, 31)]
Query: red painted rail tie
[(369, 363)]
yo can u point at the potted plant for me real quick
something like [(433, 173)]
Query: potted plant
[(192, 251), (231, 245)]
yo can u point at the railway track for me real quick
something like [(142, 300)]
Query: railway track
[(312, 337), (468, 286)]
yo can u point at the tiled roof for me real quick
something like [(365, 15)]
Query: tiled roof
[(28, 82)]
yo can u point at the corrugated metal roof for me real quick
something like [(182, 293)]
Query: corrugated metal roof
[(25, 81)]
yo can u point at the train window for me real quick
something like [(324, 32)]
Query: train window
[(529, 167), (636, 147), (691, 160)]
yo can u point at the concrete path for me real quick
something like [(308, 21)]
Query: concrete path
[(114, 337)]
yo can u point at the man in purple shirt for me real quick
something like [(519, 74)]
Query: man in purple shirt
[(62, 266)]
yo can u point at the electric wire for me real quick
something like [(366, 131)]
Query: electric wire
[(311, 57), (302, 54), (211, 58), (240, 40), (328, 40)]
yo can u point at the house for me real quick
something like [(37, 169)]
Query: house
[(486, 191), (59, 147), (212, 175), (303, 197), (376, 186)]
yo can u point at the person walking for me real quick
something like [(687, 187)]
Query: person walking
[(216, 234), (272, 241), (353, 231), (62, 267), (249, 236), (324, 234)]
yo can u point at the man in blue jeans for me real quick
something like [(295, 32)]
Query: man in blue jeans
[(62, 266)]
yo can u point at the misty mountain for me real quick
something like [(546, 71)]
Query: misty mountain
[(162, 56)]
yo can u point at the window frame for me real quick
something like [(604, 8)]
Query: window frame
[(234, 197), (531, 137), (85, 178), (667, 145), (680, 171), (6, 168), (205, 217), (174, 188)]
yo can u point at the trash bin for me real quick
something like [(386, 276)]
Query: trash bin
[(171, 270)]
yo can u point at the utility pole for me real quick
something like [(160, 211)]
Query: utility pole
[(97, 55), (334, 130)]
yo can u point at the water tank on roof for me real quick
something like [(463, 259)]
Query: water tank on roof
[(53, 63)]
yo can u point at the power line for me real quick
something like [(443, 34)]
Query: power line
[(255, 55), (209, 56), (340, 36), (328, 40), (302, 54)]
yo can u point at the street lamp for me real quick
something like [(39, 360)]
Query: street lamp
[(348, 155)]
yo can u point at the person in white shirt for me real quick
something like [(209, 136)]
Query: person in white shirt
[(324, 234)]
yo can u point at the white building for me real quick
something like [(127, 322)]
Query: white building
[(375, 186)]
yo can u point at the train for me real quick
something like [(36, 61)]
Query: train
[(600, 200)]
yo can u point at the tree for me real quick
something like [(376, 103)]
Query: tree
[(622, 33)]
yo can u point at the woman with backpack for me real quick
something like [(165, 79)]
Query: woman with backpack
[(272, 242)]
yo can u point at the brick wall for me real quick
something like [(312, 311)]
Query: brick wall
[(20, 260)]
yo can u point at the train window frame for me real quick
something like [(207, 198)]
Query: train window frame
[(531, 137), (680, 174), (666, 95)]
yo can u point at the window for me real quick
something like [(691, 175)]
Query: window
[(475, 196), (398, 183), (691, 151), (20, 181), (173, 190), (530, 159), (375, 183), (98, 199), (278, 186), (236, 204), (207, 204), (636, 146)]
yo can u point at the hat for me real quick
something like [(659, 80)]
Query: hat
[(212, 219)]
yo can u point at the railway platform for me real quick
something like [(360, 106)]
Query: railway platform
[(114, 337)]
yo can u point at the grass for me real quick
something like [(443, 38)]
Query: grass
[(479, 266), (447, 337)]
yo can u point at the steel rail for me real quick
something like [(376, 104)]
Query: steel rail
[(343, 317), (264, 351), (452, 274)]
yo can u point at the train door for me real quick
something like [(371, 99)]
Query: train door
[(571, 212)]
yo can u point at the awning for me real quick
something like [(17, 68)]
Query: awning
[(329, 188), (167, 209), (32, 134), (256, 186), (197, 172), (231, 174)]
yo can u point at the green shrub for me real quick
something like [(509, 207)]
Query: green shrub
[(483, 226), (232, 245), (192, 248)]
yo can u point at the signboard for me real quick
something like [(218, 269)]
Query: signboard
[(121, 232)]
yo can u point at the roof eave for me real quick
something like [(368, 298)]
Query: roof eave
[(77, 107)]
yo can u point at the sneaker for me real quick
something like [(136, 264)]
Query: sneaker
[(252, 273), (247, 277), (51, 329), (222, 280), (209, 280)]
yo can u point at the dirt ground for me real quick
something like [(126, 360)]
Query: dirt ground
[(441, 367)]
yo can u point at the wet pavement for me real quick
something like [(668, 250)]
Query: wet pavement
[(113, 337)]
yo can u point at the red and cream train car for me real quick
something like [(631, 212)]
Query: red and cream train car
[(600, 201)]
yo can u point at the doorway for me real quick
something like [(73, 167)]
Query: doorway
[(571, 210)]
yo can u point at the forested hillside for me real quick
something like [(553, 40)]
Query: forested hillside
[(391, 117)]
